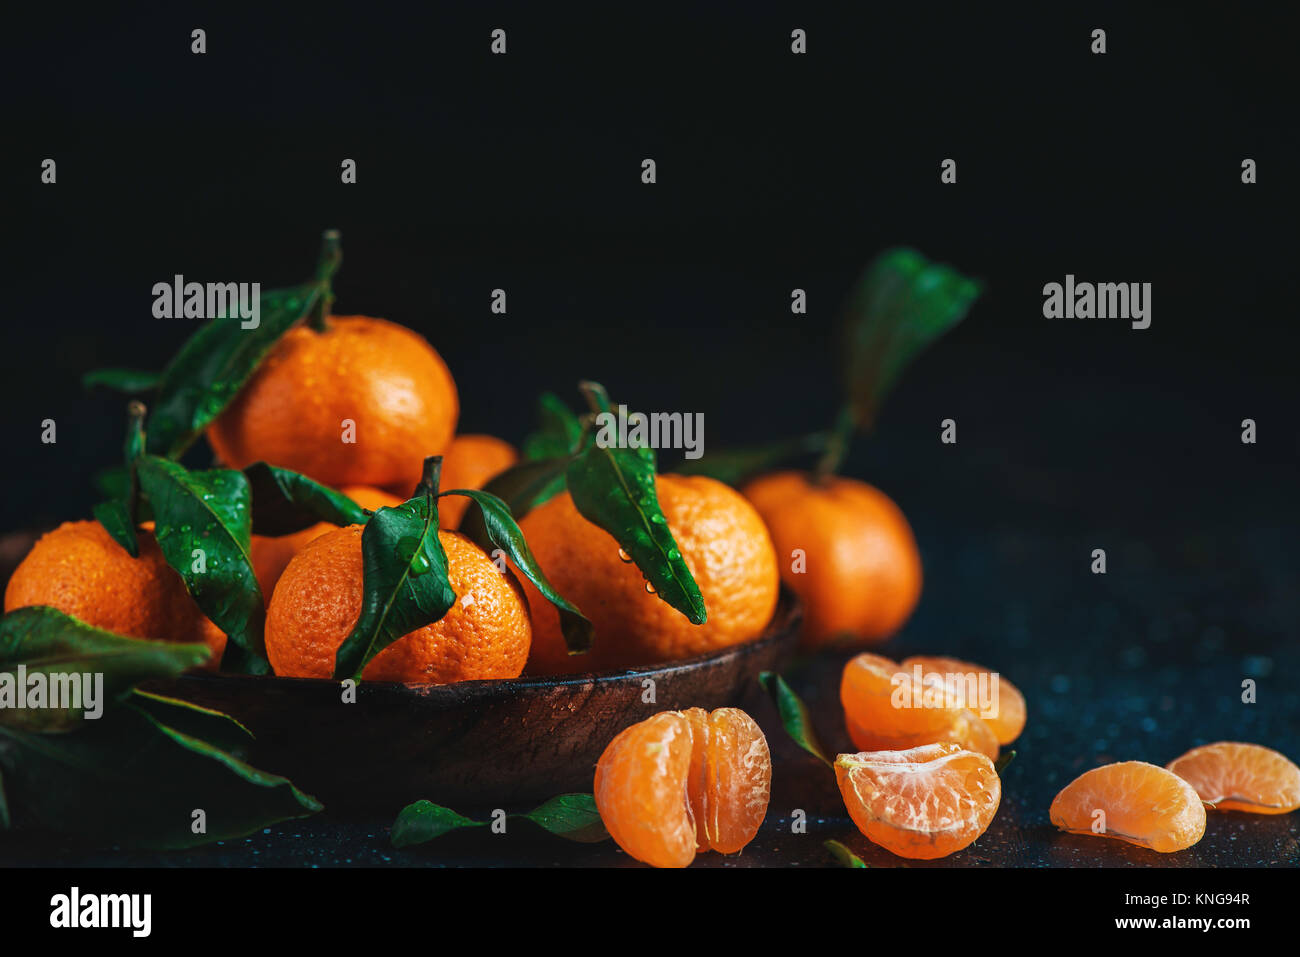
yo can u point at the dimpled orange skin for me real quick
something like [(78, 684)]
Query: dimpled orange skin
[(470, 462), (383, 377), (920, 803), (881, 711), (684, 781), (79, 569), (862, 576), (724, 544), (1142, 804), (1232, 776), (318, 600), (271, 555), (1009, 719)]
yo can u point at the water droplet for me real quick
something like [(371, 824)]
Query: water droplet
[(650, 588), (624, 556), (658, 519), (673, 554)]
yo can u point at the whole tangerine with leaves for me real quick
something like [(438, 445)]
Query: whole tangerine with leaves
[(361, 402), (82, 571), (725, 547), (318, 600)]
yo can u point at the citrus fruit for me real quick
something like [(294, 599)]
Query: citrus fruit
[(362, 403), (271, 554), (1005, 711), (1231, 776), (470, 462), (79, 569), (683, 781), (885, 709), (723, 543), (1132, 801), (923, 802), (846, 550), (318, 599)]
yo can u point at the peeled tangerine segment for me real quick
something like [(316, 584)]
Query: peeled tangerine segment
[(1132, 801), (1232, 776), (1003, 710), (886, 710), (921, 803), (679, 781)]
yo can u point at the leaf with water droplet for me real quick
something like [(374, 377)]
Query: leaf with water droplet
[(284, 502), (227, 591), (404, 584), (496, 528), (614, 488)]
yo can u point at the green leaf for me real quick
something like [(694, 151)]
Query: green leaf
[(424, 820), (133, 780), (614, 488), (571, 816), (405, 585), (794, 715), (130, 381), (1003, 760), (215, 727), (902, 303), (211, 511), (499, 530), (843, 855), (115, 517), (48, 642), (559, 430), (526, 485), (285, 501), (733, 466), (211, 368), (113, 482)]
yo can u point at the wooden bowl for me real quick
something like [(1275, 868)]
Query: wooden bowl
[(473, 743)]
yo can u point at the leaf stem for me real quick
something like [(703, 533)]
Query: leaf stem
[(431, 477), (837, 446), (331, 257)]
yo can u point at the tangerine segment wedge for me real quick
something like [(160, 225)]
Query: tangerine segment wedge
[(988, 693), (885, 709), (731, 778), (1135, 802), (682, 781), (640, 790), (1232, 776), (923, 802)]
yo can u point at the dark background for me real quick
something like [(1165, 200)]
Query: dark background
[(775, 171)]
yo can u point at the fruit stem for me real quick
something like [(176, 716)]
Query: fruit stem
[(331, 257), (431, 477), (837, 446), (595, 394)]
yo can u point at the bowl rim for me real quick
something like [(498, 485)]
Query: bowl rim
[(783, 627)]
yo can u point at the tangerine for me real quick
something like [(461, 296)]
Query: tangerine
[(724, 544), (863, 570), (1132, 801), (271, 554), (1006, 712), (1231, 776), (82, 571), (361, 403), (923, 802), (683, 781), (318, 600)]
